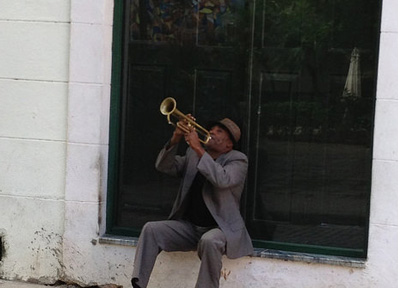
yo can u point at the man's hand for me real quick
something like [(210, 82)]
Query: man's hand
[(178, 132), (192, 139)]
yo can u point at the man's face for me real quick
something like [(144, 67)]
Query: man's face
[(220, 140)]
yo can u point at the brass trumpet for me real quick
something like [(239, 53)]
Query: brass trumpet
[(168, 108)]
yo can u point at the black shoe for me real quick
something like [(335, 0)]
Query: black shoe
[(133, 281)]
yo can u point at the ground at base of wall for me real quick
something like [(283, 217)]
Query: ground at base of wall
[(58, 284)]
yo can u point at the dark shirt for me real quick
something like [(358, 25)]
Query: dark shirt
[(196, 210)]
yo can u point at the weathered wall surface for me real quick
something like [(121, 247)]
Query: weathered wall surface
[(55, 71), (34, 49), (86, 262)]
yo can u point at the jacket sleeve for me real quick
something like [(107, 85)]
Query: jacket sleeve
[(229, 172), (170, 163)]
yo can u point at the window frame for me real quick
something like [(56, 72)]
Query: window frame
[(117, 90)]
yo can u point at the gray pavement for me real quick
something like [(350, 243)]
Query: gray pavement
[(18, 284)]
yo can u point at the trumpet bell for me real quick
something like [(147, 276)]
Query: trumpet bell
[(168, 108), (168, 105)]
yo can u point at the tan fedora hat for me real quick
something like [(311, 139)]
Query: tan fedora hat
[(231, 126)]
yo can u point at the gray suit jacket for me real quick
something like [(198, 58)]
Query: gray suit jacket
[(221, 192)]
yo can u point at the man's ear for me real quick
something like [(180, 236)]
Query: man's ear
[(229, 145)]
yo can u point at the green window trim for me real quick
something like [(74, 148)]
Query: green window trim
[(114, 152), (115, 108)]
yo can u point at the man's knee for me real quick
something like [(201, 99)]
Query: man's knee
[(152, 226), (157, 229), (213, 241), (151, 229), (148, 227)]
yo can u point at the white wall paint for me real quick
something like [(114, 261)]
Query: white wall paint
[(85, 261), (34, 54), (54, 114)]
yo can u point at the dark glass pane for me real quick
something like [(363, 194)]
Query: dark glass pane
[(142, 190), (298, 76), (172, 50), (315, 73)]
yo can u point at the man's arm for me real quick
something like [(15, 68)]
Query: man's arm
[(167, 161), (192, 139), (175, 139), (233, 172)]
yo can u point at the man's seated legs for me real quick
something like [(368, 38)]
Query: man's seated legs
[(211, 247), (169, 235)]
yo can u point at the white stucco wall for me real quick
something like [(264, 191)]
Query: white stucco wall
[(34, 56), (55, 70)]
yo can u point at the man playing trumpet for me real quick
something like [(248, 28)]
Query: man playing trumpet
[(206, 213)]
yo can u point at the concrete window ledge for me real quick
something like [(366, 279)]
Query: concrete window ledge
[(262, 253), (118, 240), (310, 258)]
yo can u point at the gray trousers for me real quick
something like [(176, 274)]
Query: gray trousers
[(172, 235)]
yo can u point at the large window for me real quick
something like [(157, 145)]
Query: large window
[(297, 75)]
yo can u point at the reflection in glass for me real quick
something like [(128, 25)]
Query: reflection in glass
[(299, 74), (314, 106), (203, 22)]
